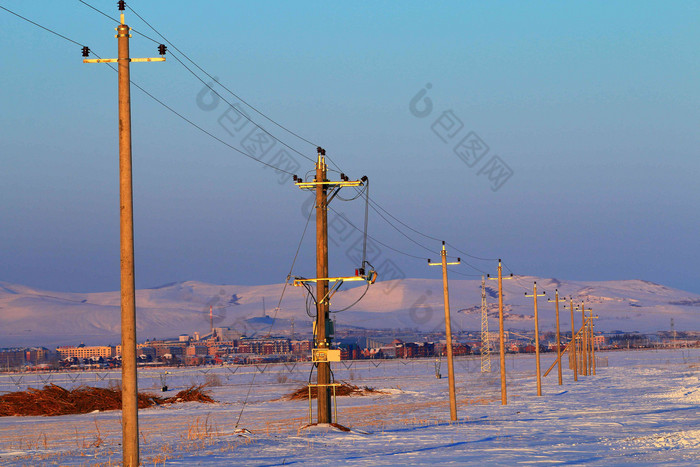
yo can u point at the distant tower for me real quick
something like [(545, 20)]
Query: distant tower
[(263, 315), (673, 332), (485, 346), (292, 328)]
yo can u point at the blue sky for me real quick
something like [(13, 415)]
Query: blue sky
[(593, 106)]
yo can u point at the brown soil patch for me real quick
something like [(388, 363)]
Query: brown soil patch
[(55, 400), (345, 389)]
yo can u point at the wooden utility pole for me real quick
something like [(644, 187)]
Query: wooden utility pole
[(130, 425), (572, 346), (537, 337), (322, 339), (323, 304), (591, 317), (501, 332), (448, 331), (589, 341), (556, 301)]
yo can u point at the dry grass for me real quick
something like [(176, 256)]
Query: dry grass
[(54, 400)]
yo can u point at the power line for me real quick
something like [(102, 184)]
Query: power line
[(117, 21), (291, 268), (209, 86), (377, 241), (227, 89), (241, 113), (463, 274), (42, 27), (372, 203), (375, 206)]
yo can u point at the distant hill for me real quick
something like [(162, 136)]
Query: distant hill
[(36, 317)]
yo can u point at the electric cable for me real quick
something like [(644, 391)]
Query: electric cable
[(375, 206), (208, 85), (291, 268), (377, 241), (42, 27)]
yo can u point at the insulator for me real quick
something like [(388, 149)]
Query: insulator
[(86, 51), (121, 5), (161, 49), (342, 176), (364, 178)]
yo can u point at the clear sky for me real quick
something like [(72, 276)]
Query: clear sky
[(593, 107)]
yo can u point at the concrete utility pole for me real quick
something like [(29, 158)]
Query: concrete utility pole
[(322, 355), (572, 345), (584, 340), (130, 426), (537, 337), (448, 331), (485, 341), (502, 343), (556, 301)]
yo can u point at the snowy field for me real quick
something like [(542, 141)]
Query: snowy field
[(642, 408)]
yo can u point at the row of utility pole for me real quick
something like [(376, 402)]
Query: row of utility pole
[(323, 355), (581, 348)]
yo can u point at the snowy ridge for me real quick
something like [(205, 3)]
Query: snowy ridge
[(36, 317)]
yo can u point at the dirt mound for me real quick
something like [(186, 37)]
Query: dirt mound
[(55, 400), (345, 389)]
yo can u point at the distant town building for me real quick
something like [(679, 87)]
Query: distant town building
[(301, 346), (264, 346), (12, 358), (226, 334), (196, 350), (83, 351)]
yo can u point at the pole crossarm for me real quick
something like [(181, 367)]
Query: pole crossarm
[(446, 264), (299, 281), (115, 60), (328, 183)]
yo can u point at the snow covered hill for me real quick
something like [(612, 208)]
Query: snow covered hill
[(35, 317)]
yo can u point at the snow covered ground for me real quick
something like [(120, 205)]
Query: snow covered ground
[(642, 408)]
